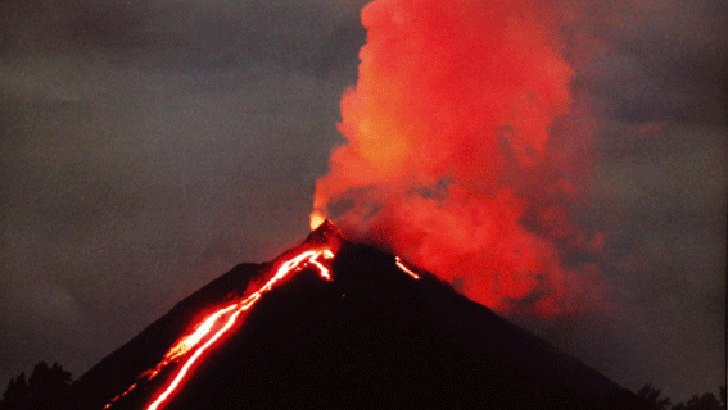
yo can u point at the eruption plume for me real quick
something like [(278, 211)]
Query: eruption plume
[(452, 157)]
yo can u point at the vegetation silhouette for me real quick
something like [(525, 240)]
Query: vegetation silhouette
[(651, 400), (650, 396), (48, 387), (707, 401)]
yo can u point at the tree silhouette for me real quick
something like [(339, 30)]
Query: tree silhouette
[(17, 394), (47, 388), (707, 401), (650, 397)]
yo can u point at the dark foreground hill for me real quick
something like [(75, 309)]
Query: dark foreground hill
[(372, 338)]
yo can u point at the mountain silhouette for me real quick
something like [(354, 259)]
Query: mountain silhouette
[(373, 337)]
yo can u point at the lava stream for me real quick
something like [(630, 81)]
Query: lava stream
[(405, 269), (189, 342)]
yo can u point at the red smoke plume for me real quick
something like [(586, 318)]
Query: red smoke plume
[(452, 158)]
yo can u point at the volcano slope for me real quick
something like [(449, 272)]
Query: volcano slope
[(373, 337)]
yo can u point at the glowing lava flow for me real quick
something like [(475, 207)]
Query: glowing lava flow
[(316, 219), (190, 342), (405, 269)]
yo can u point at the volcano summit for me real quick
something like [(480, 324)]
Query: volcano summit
[(336, 324)]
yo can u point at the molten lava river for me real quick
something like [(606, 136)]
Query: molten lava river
[(189, 348)]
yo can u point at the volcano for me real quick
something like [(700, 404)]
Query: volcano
[(376, 334)]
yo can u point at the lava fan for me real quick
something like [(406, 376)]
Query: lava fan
[(336, 324)]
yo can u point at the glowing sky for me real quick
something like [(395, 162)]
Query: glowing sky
[(146, 147)]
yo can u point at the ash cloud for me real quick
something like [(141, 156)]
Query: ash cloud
[(461, 155)]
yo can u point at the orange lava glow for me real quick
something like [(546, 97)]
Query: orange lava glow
[(194, 345), (466, 149), (186, 343), (405, 269), (316, 219)]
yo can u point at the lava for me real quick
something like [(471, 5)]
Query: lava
[(204, 337), (316, 219), (405, 269)]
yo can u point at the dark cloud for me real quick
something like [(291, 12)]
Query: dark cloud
[(177, 36), (145, 146), (660, 195), (658, 61), (341, 49)]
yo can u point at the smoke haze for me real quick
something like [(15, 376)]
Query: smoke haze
[(460, 152)]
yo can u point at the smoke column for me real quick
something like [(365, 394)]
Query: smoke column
[(460, 153)]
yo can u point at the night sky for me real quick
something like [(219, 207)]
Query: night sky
[(146, 147)]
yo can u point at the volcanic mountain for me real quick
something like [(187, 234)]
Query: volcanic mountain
[(375, 335)]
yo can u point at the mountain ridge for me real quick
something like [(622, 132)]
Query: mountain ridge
[(372, 337)]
